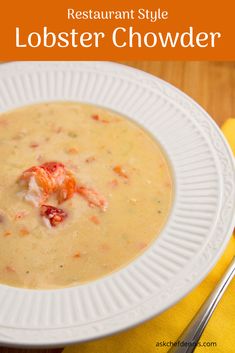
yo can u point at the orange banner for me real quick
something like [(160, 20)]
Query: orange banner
[(117, 30)]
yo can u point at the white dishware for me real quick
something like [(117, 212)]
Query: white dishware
[(196, 233)]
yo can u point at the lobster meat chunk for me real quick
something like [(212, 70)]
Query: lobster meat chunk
[(93, 197), (52, 215), (46, 179)]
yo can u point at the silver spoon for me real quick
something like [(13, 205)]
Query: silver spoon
[(194, 330)]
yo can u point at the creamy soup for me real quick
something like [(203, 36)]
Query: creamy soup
[(83, 191)]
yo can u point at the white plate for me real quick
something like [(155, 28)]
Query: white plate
[(194, 237)]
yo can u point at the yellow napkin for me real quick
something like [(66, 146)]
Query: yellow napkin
[(169, 325)]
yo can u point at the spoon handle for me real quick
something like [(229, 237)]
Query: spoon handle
[(194, 330)]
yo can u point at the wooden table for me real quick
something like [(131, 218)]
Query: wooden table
[(211, 84)]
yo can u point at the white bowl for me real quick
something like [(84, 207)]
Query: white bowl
[(194, 237)]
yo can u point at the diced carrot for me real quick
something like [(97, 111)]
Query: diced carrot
[(10, 269), (141, 245), (24, 232), (120, 171), (98, 118), (34, 145), (4, 122), (72, 150), (7, 233), (95, 117), (95, 219), (77, 255)]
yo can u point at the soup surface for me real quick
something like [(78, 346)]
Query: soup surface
[(83, 191)]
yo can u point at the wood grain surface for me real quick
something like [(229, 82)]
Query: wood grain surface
[(211, 84)]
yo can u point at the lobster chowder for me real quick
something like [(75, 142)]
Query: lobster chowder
[(83, 191)]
